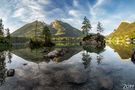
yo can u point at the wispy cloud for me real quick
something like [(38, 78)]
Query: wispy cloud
[(96, 8), (74, 13), (110, 13), (28, 10), (22, 11), (76, 3)]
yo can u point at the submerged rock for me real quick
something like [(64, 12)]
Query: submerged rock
[(10, 72), (61, 76), (25, 64), (133, 56), (52, 54), (77, 77), (56, 53), (67, 75), (106, 83)]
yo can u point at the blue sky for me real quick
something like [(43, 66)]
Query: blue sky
[(16, 13)]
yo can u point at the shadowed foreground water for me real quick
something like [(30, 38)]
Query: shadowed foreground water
[(83, 70)]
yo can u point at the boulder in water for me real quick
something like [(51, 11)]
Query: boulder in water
[(10, 72), (56, 53)]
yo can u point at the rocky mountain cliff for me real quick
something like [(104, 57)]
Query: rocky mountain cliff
[(124, 31), (57, 28)]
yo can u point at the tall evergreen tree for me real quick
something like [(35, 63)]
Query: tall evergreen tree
[(1, 29), (8, 36), (8, 33), (86, 26), (100, 28), (47, 35), (36, 30)]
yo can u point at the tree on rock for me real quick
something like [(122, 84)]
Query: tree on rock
[(100, 28), (86, 26)]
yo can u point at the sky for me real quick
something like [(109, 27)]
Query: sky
[(16, 13)]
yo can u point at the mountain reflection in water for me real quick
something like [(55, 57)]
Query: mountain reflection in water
[(124, 50), (83, 68)]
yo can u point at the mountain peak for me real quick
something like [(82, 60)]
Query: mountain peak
[(56, 22), (124, 23), (38, 22), (124, 29), (122, 26), (57, 28)]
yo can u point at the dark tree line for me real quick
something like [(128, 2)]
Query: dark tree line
[(5, 36), (2, 68)]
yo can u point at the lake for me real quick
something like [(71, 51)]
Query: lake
[(82, 68)]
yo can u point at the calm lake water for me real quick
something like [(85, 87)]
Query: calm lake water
[(82, 68)]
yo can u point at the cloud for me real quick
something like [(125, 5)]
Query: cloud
[(74, 13), (110, 18), (44, 2), (76, 3), (98, 3), (18, 12), (96, 8), (110, 13), (73, 22), (28, 10)]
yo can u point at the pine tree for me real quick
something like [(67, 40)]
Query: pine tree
[(86, 26), (8, 36), (47, 35), (1, 29), (100, 29), (36, 31), (8, 33)]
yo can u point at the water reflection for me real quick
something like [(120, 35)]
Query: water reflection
[(124, 50), (99, 59), (37, 55), (94, 49), (69, 53), (2, 68), (86, 58), (66, 44), (9, 55), (76, 70)]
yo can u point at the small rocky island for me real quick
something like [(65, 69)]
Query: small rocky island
[(93, 39)]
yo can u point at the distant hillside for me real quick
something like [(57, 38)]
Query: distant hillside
[(57, 28), (124, 31)]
